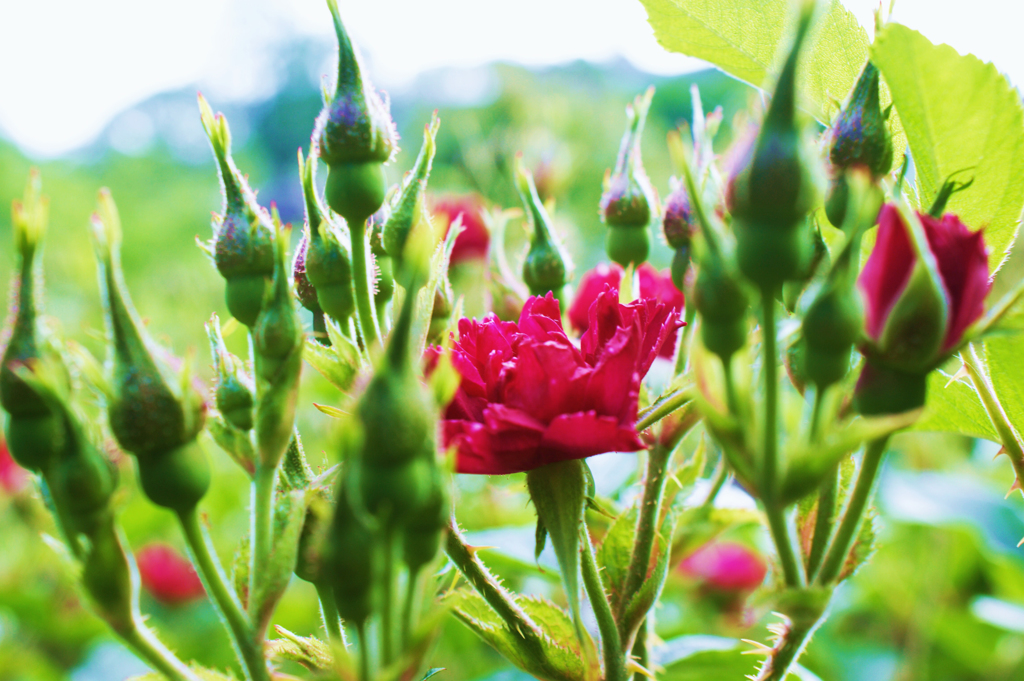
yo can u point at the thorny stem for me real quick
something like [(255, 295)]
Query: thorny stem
[(788, 649), (835, 557), (639, 652), (149, 647), (658, 459), (664, 406), (249, 650), (486, 585), (262, 531), (822, 523), (611, 643), (329, 612), (365, 310), (1008, 436), (791, 568)]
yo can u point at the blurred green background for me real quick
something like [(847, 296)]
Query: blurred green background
[(942, 599)]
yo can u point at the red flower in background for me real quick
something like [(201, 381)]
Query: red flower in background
[(474, 240), (529, 397), (167, 575), (962, 262), (13, 477), (726, 567), (653, 284)]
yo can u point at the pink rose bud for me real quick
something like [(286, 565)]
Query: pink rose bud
[(13, 478), (474, 240), (725, 567), (529, 397), (167, 575), (917, 315)]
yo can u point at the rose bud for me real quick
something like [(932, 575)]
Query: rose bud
[(629, 200), (35, 433), (355, 136), (304, 290), (860, 137), (726, 571), (328, 262), (777, 185), (242, 245), (679, 225), (384, 290), (722, 301), (924, 284), (277, 343), (167, 575), (233, 388), (13, 478), (592, 284), (547, 266), (154, 409), (349, 566), (474, 239), (528, 397), (408, 207), (658, 285)]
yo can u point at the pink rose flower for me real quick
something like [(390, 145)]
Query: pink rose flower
[(167, 575)]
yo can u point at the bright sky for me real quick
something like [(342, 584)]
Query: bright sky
[(68, 67)]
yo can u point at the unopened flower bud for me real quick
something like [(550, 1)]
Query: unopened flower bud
[(385, 289), (350, 566), (167, 575), (722, 302), (304, 290), (154, 409), (233, 386), (328, 261), (408, 208), (547, 266), (777, 185), (242, 234), (860, 137), (629, 200), (422, 534), (35, 434), (355, 135)]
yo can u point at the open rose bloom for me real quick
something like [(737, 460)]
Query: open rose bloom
[(529, 397)]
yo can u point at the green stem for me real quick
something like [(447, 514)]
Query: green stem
[(819, 401), (262, 537), (329, 612), (387, 623), (835, 557), (663, 406), (731, 399), (823, 523), (1008, 437), (791, 569), (365, 310), (770, 363), (639, 651), (718, 479), (788, 650), (249, 650), (518, 622), (364, 652), (611, 644), (145, 643), (320, 329), (412, 598), (658, 459)]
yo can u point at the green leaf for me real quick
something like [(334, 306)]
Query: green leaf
[(202, 672), (643, 600), (614, 555), (338, 363), (558, 492), (561, 658), (289, 515), (1005, 356), (700, 657), (954, 407), (234, 442), (310, 652), (960, 115), (744, 38)]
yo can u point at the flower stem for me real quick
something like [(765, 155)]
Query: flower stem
[(145, 643), (788, 649), (664, 406), (791, 569), (823, 523), (769, 457), (835, 557), (718, 479), (262, 536), (365, 310), (329, 612), (364, 652), (387, 623), (249, 650), (611, 643), (1008, 436), (658, 459), (517, 621), (639, 652)]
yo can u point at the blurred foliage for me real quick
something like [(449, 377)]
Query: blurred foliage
[(943, 598)]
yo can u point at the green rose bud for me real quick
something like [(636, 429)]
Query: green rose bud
[(408, 207), (233, 386), (242, 246), (547, 266)]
